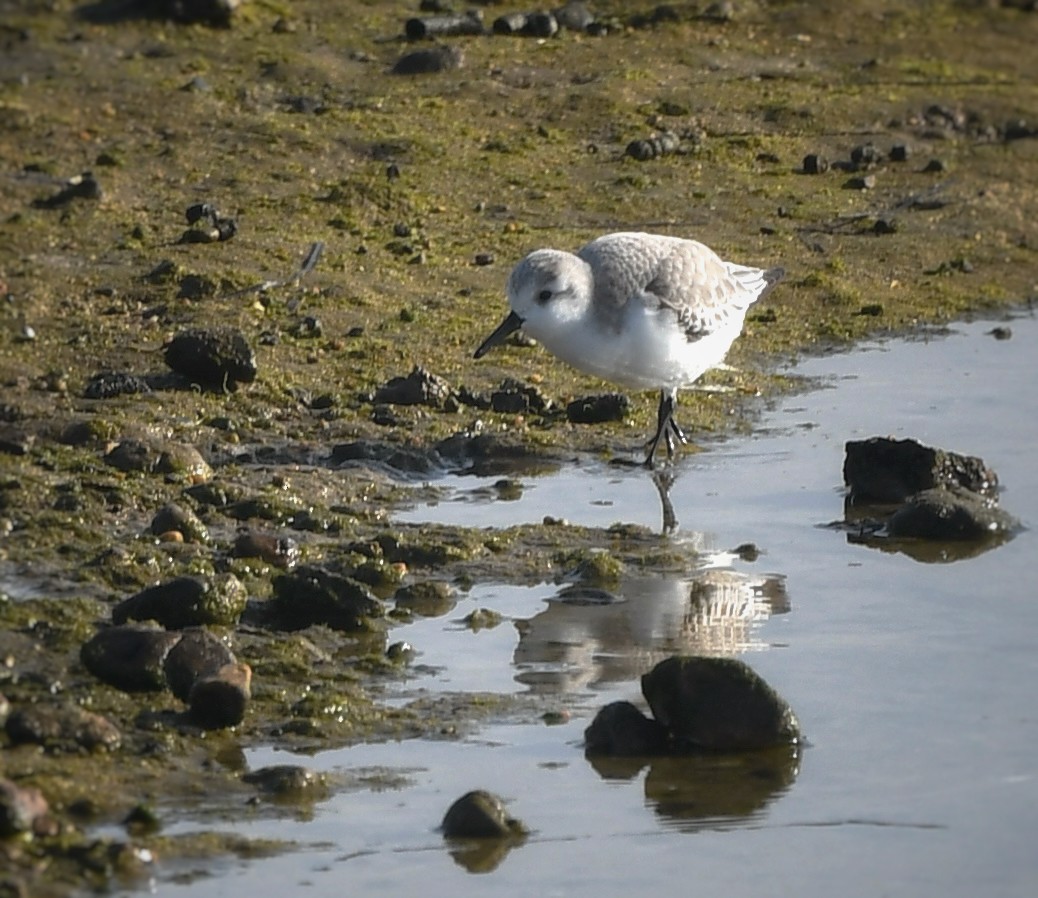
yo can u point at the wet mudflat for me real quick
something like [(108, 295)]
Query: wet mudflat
[(913, 679)]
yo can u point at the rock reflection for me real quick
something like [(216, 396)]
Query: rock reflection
[(586, 638), (699, 791), (482, 855)]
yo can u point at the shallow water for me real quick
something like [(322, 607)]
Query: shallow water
[(914, 682)]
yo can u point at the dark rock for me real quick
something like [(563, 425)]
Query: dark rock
[(658, 145), (218, 358), (900, 152), (15, 440), (511, 23), (61, 728), (420, 387), (949, 513), (310, 595), (815, 164), (935, 165), (621, 730), (183, 520), (220, 699), (665, 13), (84, 186), (574, 16), (186, 602), (540, 24), (428, 61), (197, 655), (109, 384), (429, 598), (884, 470), (129, 658), (866, 155), (598, 409), (401, 458), (488, 455), (180, 461), (480, 815), (281, 551), (865, 182), (515, 398), (133, 455), (717, 704), (20, 807), (468, 22)]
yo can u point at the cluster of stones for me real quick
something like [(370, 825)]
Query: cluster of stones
[(904, 490)]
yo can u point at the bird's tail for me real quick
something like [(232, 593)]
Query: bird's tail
[(756, 282)]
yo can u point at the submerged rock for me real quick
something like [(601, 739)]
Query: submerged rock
[(286, 780), (480, 815), (428, 598), (883, 470), (717, 704), (949, 514)]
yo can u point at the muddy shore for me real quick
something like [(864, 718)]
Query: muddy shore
[(422, 191)]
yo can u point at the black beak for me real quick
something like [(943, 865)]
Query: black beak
[(512, 323)]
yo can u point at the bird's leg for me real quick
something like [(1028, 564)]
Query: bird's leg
[(666, 427)]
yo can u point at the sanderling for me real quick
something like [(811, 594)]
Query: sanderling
[(641, 310)]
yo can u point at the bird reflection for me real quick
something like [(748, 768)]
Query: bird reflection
[(588, 637)]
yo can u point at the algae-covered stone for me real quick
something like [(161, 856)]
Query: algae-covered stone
[(186, 602), (219, 358), (717, 704), (174, 517), (480, 815)]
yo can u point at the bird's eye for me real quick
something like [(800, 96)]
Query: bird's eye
[(544, 296)]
